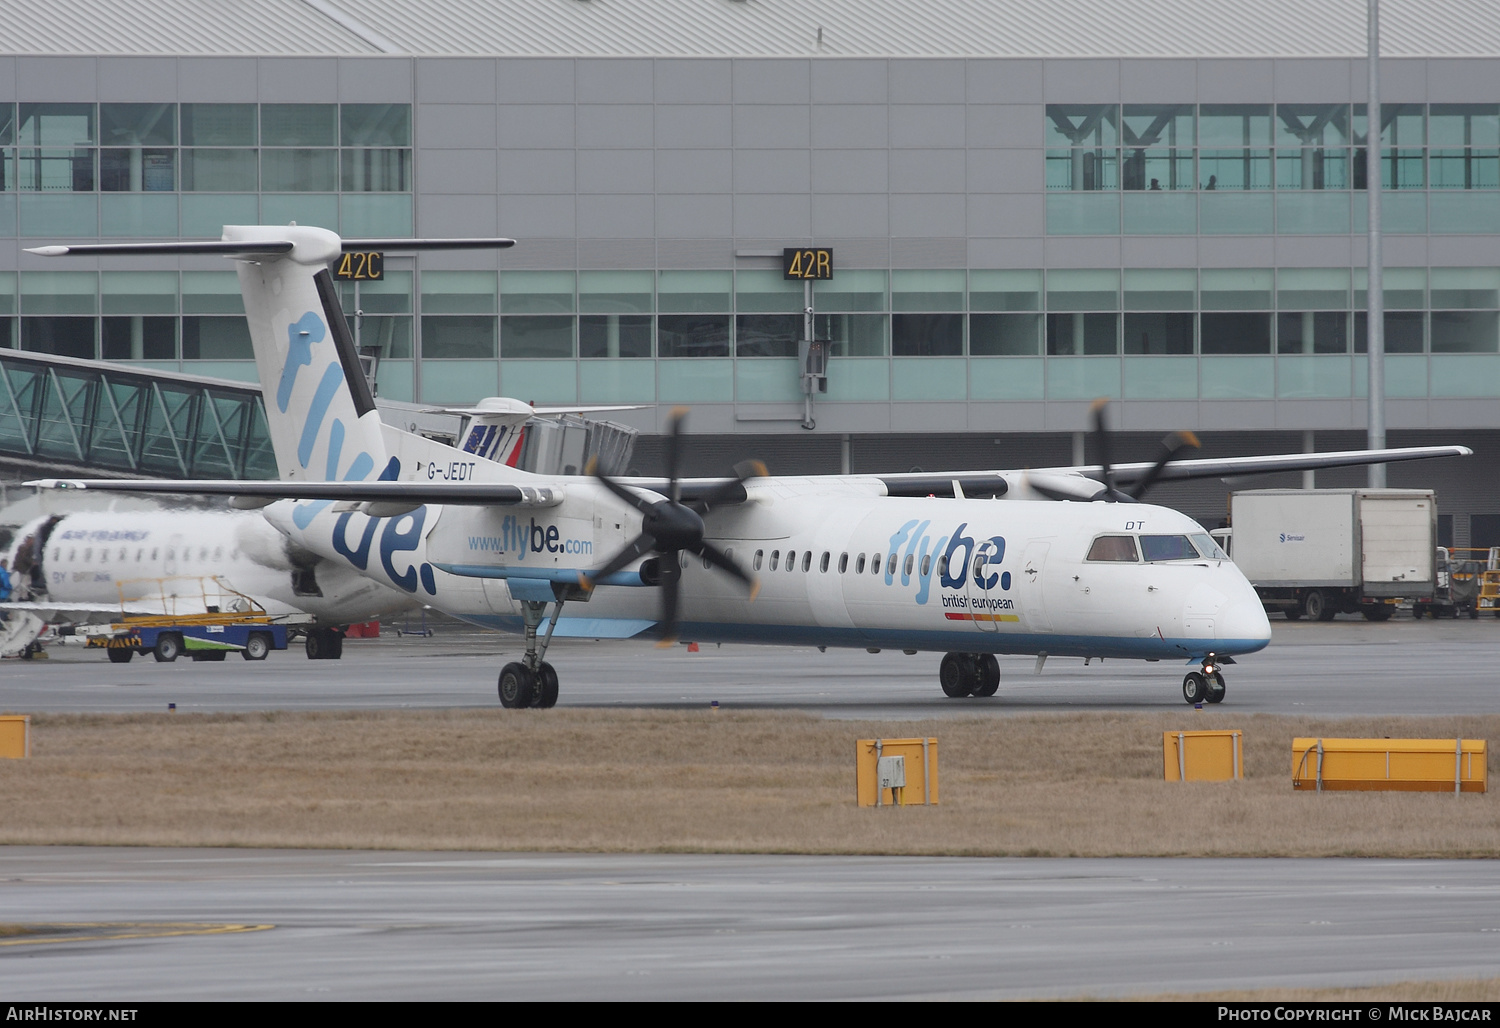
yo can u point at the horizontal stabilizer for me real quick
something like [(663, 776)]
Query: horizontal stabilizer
[(471, 494), (259, 247)]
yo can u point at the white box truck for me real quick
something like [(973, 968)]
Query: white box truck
[(1322, 552)]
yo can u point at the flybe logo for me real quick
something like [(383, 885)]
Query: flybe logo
[(952, 559), (529, 537), (399, 535), (303, 335)]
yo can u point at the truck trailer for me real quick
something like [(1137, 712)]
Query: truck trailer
[(1323, 552)]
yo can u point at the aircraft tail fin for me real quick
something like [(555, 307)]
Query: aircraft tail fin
[(320, 412)]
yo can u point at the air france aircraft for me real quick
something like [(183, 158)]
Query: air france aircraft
[(94, 566), (1046, 563)]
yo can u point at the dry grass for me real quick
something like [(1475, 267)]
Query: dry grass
[(705, 782)]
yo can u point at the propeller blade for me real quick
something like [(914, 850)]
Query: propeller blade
[(1171, 446), (638, 547), (671, 579), (674, 441), (723, 560), (1101, 435), (732, 491), (640, 503)]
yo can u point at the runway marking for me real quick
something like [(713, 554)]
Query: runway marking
[(111, 931)]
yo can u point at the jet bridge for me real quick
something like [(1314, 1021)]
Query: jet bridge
[(64, 416)]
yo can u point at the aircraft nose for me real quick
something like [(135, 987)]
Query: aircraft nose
[(1242, 623)]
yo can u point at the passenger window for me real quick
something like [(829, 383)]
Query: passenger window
[(807, 562), (891, 565), (1113, 548), (122, 553), (979, 562), (1168, 547), (910, 561), (843, 563), (88, 555), (774, 555), (791, 560), (154, 552), (927, 565), (682, 559), (756, 563), (705, 564), (859, 564), (942, 566), (875, 564), (823, 564), (218, 552)]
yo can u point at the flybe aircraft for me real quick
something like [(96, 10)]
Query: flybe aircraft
[(1062, 561)]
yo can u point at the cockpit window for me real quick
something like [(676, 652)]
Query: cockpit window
[(1208, 547), (1114, 547), (1168, 547)]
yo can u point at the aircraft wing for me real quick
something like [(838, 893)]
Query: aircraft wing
[(1235, 467), (461, 493)]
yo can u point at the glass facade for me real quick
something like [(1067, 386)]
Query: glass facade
[(1295, 168), (166, 169)]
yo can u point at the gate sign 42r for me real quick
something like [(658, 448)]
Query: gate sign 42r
[(361, 266), (807, 262)]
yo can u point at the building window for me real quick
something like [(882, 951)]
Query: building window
[(1083, 147)]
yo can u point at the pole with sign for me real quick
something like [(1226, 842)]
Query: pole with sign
[(809, 264)]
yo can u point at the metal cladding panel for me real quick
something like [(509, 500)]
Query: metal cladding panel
[(694, 28), (288, 27)]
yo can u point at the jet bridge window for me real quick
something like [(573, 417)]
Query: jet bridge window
[(1113, 548), (1168, 547)]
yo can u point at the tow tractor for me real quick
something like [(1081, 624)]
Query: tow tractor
[(235, 623)]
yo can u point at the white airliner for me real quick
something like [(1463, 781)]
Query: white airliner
[(1049, 562), (95, 566)]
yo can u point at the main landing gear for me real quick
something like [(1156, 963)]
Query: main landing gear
[(1206, 686), (969, 674), (532, 682)]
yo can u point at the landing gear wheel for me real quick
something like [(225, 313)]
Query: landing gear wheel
[(256, 647), (1216, 688), (168, 647), (517, 686), (956, 674), (324, 644), (1195, 687), (1315, 605), (989, 675), (546, 687), (120, 654)]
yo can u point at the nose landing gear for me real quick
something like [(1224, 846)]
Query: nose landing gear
[(1206, 686)]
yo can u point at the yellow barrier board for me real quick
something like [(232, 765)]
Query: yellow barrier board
[(1217, 756), (921, 772), (1404, 765), (15, 735)]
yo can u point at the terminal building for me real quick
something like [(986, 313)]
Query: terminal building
[(1027, 206)]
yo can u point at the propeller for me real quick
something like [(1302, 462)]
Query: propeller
[(1171, 445), (669, 526)]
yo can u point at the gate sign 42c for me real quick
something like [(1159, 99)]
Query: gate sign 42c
[(361, 266), (807, 262)]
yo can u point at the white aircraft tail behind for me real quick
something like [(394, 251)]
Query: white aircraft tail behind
[(322, 418)]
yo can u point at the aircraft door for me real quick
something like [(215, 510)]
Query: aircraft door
[(1030, 586)]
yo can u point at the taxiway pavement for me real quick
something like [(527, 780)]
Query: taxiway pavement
[(467, 926), (1345, 667)]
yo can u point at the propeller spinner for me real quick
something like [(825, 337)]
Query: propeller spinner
[(669, 526)]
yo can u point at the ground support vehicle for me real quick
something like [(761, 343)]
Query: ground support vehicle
[(1323, 552), (1461, 575), (197, 636)]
